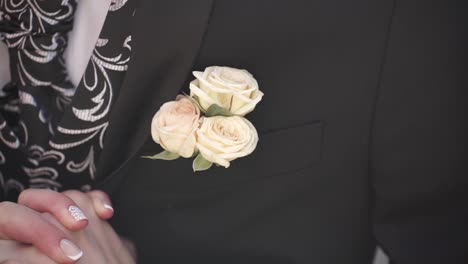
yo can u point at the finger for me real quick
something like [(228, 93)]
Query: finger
[(102, 204), (25, 225), (10, 261), (60, 206), (130, 246), (31, 255)]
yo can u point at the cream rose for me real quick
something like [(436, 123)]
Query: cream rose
[(233, 89), (223, 139), (174, 126)]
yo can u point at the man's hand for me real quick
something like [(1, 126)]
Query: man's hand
[(42, 221)]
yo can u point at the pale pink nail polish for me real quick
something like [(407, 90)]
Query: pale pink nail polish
[(71, 250)]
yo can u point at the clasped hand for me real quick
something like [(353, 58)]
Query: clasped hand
[(47, 227)]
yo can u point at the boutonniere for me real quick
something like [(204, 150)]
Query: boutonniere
[(209, 124)]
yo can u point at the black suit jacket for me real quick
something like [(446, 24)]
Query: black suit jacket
[(363, 133)]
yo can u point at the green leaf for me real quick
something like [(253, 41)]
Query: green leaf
[(216, 110), (201, 164), (165, 155)]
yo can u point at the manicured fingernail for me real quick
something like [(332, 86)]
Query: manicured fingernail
[(76, 213), (71, 250), (108, 206)]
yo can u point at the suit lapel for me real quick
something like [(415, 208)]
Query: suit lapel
[(167, 36)]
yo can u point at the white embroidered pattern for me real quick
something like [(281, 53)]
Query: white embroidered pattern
[(91, 117), (96, 117)]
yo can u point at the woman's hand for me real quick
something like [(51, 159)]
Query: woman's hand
[(38, 228), (99, 242)]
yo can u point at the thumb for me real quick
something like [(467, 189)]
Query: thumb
[(24, 225)]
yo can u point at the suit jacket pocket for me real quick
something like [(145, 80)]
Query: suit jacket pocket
[(284, 149), (279, 151)]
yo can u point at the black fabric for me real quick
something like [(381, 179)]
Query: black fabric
[(36, 36), (363, 130), (51, 136), (363, 134)]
